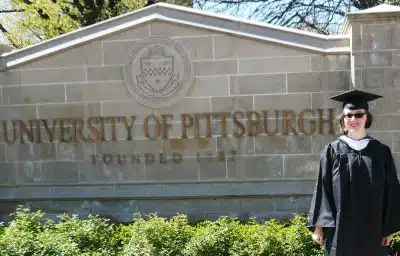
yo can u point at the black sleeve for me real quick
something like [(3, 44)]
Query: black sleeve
[(322, 210), (391, 203)]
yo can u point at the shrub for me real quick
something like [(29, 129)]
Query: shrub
[(31, 234), (158, 236), (213, 238)]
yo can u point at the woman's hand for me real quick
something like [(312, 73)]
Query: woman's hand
[(318, 235), (386, 240)]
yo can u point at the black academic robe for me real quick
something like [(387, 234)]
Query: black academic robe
[(356, 199)]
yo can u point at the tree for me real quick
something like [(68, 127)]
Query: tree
[(39, 20), (321, 16)]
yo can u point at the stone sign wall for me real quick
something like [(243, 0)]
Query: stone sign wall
[(205, 119)]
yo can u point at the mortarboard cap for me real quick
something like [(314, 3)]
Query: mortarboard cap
[(355, 99)]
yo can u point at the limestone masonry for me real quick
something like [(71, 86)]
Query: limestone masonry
[(172, 110)]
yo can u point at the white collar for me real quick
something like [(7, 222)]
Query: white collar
[(356, 144)]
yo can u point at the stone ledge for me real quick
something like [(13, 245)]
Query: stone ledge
[(153, 191)]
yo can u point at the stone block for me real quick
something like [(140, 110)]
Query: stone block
[(292, 144), (7, 193), (378, 36), (215, 67), (230, 206), (111, 207), (385, 137), (319, 142), (373, 59), (73, 110), (33, 94), (31, 152), (396, 58), (303, 204), (202, 206), (330, 62), (386, 122), (127, 108), (396, 143), (232, 47), (274, 65), (116, 167), (180, 169), (172, 206), (107, 73), (255, 167), (295, 102), (198, 48), (232, 104), (3, 152), (356, 36), (97, 91), (213, 168), (170, 29), (301, 166), (136, 32), (293, 204), (389, 104), (69, 151), (125, 172), (210, 86), (144, 190), (8, 173), (28, 172), (396, 157), (318, 81), (17, 112), (241, 146), (190, 147), (74, 192), (357, 79), (116, 52), (188, 106), (60, 172), (140, 146), (53, 75), (377, 78), (88, 54), (257, 205), (10, 78), (257, 84), (61, 206), (323, 101)]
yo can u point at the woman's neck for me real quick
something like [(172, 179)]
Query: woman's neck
[(357, 135)]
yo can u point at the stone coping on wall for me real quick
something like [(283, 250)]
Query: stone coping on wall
[(313, 42), (160, 190)]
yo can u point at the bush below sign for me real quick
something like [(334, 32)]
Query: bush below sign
[(31, 233)]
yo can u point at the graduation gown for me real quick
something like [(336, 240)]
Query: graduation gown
[(356, 199)]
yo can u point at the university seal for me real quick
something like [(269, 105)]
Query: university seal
[(158, 72)]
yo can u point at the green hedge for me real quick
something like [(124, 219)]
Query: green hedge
[(31, 234)]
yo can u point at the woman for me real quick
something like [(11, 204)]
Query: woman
[(356, 203)]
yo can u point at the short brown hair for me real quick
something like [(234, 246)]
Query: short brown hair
[(368, 123)]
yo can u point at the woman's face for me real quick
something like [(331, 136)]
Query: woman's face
[(352, 122)]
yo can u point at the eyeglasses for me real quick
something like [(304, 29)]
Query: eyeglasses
[(356, 115)]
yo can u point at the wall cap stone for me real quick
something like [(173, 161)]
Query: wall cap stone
[(313, 42), (379, 12)]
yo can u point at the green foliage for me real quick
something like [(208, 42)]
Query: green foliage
[(213, 238), (44, 19), (158, 236), (297, 238), (31, 234), (396, 244)]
